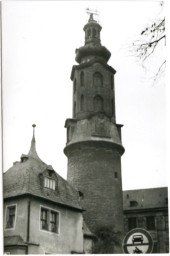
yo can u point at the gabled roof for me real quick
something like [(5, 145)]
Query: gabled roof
[(27, 177), (145, 198)]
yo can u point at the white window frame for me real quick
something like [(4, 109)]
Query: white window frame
[(50, 210), (6, 210), (49, 183)]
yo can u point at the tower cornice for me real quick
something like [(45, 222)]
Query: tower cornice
[(91, 62), (106, 145)]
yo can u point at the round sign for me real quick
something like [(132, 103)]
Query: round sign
[(138, 240)]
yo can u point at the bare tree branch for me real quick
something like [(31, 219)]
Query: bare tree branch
[(151, 38)]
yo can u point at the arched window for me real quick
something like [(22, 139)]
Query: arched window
[(82, 103), (98, 103), (97, 80), (94, 32), (88, 32), (82, 78), (112, 82), (74, 85), (112, 106), (74, 110)]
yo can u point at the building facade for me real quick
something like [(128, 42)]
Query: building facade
[(45, 214), (42, 211), (148, 209)]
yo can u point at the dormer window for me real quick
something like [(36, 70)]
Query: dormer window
[(49, 183), (24, 158)]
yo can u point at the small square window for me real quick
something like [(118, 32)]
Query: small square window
[(10, 216)]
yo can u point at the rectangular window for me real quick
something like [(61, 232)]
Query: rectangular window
[(155, 248), (132, 223), (49, 220), (49, 183), (116, 175), (54, 222), (44, 219), (10, 216), (150, 223)]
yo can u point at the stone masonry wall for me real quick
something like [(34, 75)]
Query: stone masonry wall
[(96, 172)]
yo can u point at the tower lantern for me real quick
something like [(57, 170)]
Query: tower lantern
[(94, 146), (92, 31)]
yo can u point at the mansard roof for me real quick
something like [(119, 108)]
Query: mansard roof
[(145, 199), (27, 177)]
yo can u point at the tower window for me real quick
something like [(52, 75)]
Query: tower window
[(166, 200), (82, 103), (112, 82), (94, 32), (112, 106), (82, 78), (10, 216), (116, 175), (97, 80), (75, 85), (98, 103), (74, 110), (68, 133)]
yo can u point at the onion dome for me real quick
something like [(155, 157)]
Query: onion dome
[(92, 47)]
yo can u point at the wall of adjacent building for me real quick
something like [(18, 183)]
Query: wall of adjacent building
[(70, 237), (160, 234)]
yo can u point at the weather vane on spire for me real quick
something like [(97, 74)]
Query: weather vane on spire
[(91, 12)]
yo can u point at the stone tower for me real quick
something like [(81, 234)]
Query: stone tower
[(94, 146)]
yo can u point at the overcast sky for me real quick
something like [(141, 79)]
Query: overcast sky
[(39, 41)]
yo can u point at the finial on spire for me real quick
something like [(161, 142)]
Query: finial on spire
[(33, 137), (33, 152)]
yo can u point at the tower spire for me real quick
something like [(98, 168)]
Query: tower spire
[(32, 152)]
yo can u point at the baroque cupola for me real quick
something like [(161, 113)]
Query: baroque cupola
[(92, 47), (93, 78)]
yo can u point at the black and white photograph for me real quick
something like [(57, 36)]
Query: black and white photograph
[(84, 127)]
